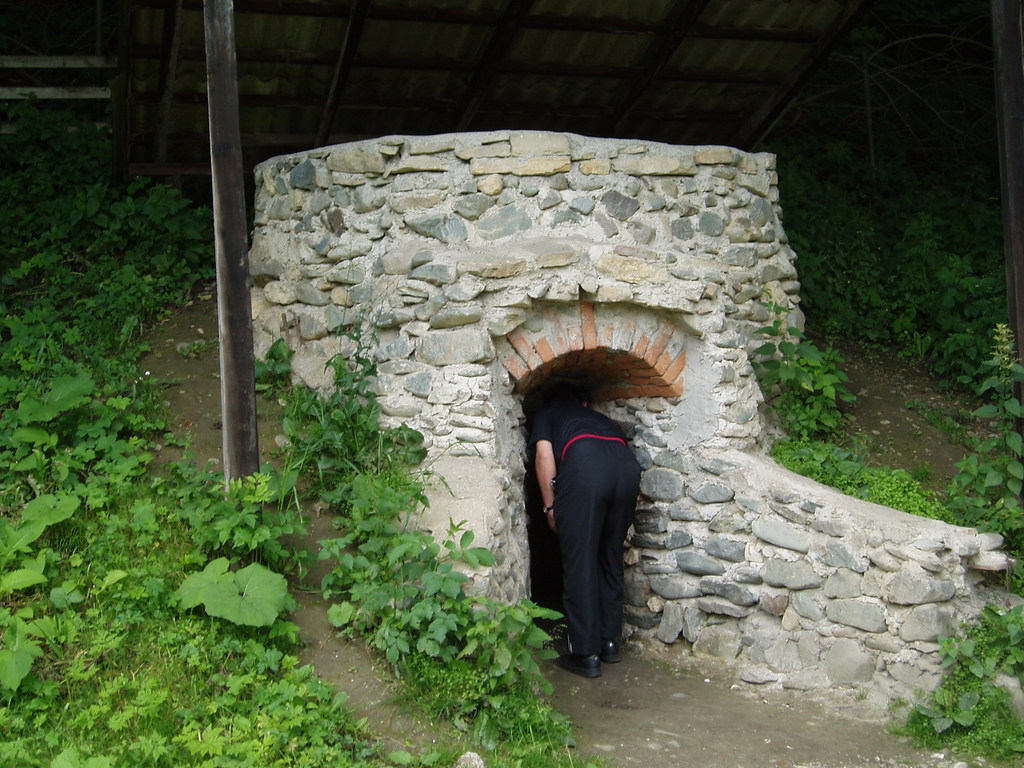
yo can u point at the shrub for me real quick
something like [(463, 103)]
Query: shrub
[(803, 384), (913, 260), (970, 710), (847, 470), (394, 584)]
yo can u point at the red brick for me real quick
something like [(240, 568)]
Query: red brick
[(524, 348), (588, 325), (547, 354), (516, 367), (658, 345), (676, 367), (643, 373), (640, 345)]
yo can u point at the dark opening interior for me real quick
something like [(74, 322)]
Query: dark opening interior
[(545, 556)]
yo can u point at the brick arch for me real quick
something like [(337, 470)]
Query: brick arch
[(628, 354)]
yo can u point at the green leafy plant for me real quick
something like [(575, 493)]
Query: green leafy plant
[(253, 596), (847, 470), (273, 370), (970, 709), (804, 384), (256, 518), (986, 491)]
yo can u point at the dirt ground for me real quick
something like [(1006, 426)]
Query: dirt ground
[(657, 709)]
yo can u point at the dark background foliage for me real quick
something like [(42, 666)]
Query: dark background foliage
[(889, 181)]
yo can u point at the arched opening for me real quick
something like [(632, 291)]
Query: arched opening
[(544, 553), (616, 356)]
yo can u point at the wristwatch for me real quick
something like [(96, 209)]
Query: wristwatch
[(550, 509)]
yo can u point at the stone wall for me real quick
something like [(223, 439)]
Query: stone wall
[(486, 264)]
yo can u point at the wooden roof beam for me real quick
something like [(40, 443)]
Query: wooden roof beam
[(677, 24), (497, 47), (58, 62), (448, 64), (246, 55), (346, 55), (169, 47), (54, 93), (757, 125), (447, 105), (755, 34)]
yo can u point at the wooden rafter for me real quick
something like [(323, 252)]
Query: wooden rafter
[(170, 44), (763, 118), (346, 55), (57, 62), (497, 47), (677, 25), (54, 93)]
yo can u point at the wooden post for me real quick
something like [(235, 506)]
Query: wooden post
[(234, 312), (1007, 27)]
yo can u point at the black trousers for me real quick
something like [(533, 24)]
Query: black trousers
[(598, 482)]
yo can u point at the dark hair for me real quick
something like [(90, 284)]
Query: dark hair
[(565, 390)]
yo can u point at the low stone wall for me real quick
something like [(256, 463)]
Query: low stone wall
[(482, 265), (796, 583)]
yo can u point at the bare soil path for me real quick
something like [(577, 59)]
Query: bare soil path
[(657, 709)]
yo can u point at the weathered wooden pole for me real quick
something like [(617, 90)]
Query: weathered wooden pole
[(234, 312), (1007, 29)]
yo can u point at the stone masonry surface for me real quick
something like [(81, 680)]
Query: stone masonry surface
[(480, 265)]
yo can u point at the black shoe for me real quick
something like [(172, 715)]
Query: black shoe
[(610, 652), (584, 666)]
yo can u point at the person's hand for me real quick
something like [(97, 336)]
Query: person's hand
[(551, 520)]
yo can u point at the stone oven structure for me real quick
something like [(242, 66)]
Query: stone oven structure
[(487, 265)]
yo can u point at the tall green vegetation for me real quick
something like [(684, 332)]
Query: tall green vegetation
[(913, 261), (143, 610), (889, 182), (102, 660), (470, 659)]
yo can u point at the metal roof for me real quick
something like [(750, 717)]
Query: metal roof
[(318, 72)]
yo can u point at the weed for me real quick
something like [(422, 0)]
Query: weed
[(273, 371), (986, 491), (194, 349), (846, 469), (803, 383), (954, 425), (970, 709)]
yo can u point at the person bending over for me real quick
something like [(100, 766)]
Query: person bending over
[(589, 480)]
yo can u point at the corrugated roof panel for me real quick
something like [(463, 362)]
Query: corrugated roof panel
[(643, 68), (578, 48), (788, 15), (645, 11), (737, 55), (422, 39)]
